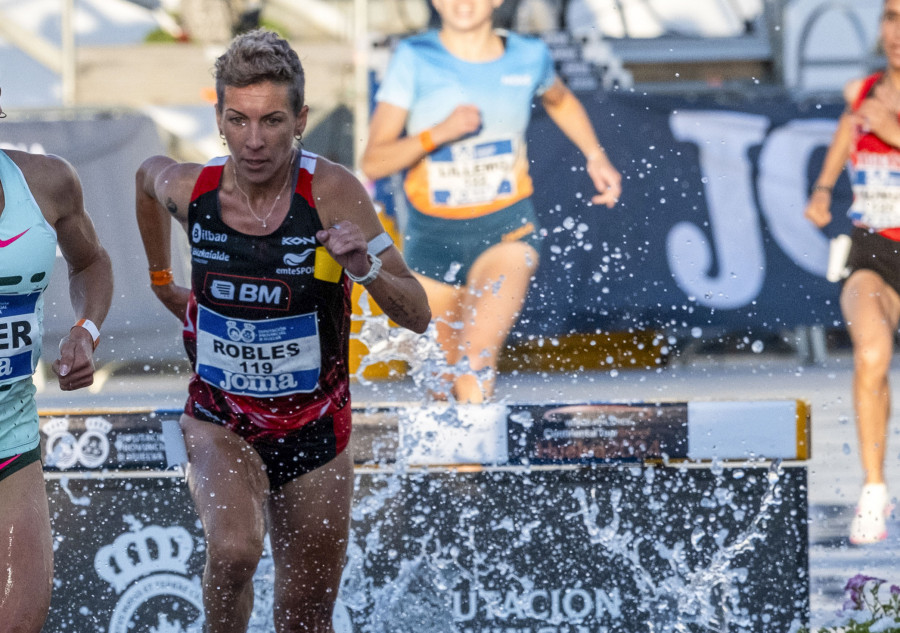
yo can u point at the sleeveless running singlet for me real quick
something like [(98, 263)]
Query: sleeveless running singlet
[(875, 177), (27, 255), (268, 322)]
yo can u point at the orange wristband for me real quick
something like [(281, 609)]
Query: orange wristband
[(161, 277), (426, 141)]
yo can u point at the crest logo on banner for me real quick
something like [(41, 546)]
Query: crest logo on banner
[(64, 450), (148, 570)]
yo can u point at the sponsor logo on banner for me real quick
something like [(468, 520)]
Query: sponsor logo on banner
[(89, 449), (534, 609), (597, 432), (95, 442), (148, 570), (722, 262)]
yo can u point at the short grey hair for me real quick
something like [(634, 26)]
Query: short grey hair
[(258, 56)]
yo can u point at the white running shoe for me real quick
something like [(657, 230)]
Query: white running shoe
[(869, 523)]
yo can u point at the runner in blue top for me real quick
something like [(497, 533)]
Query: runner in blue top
[(453, 109), (41, 208)]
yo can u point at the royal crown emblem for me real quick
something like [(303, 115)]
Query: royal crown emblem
[(149, 550)]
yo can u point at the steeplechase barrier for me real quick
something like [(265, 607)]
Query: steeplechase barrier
[(538, 518)]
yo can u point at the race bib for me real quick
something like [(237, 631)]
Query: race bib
[(258, 358), (20, 333), (876, 195), (471, 173)]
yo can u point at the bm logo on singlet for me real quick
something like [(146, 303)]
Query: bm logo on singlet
[(247, 292)]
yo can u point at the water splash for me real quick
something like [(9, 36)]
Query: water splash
[(427, 364), (707, 595), (83, 501), (423, 559), (419, 565)]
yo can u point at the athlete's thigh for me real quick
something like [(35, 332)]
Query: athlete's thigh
[(443, 299), (27, 554), (227, 480), (309, 524), (503, 270), (497, 284), (871, 308), (446, 302)]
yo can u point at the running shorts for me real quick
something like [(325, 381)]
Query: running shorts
[(444, 250), (872, 251)]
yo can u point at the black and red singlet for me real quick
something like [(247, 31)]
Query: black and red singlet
[(267, 325)]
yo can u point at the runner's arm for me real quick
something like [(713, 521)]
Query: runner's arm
[(89, 270), (818, 207), (569, 115), (350, 222), (160, 198), (388, 151)]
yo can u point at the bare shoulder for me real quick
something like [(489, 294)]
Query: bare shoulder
[(852, 89), (46, 174), (163, 172), (332, 178), (334, 183), (52, 181), (339, 195), (169, 182)]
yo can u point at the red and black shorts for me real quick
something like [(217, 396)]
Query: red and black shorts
[(872, 251), (289, 454)]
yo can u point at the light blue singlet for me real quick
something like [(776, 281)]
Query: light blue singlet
[(27, 254)]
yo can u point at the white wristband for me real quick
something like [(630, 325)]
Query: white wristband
[(379, 243), (92, 329), (370, 276)]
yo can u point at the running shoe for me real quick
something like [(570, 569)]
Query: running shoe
[(869, 524)]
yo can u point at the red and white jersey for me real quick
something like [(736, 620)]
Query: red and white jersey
[(875, 177)]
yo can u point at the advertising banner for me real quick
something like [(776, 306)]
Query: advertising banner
[(578, 543), (709, 234)]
